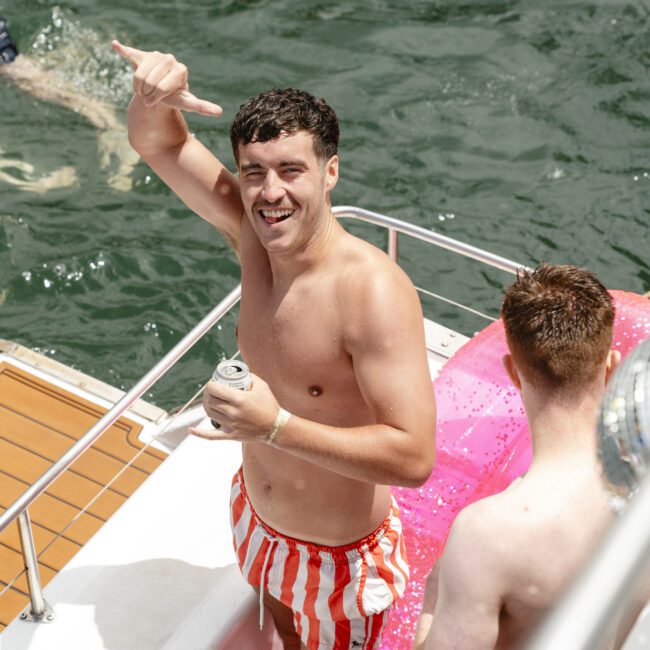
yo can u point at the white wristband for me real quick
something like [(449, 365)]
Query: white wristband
[(281, 419)]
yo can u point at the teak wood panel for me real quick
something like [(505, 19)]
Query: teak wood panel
[(39, 422)]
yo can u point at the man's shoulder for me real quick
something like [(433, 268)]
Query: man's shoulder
[(474, 561), (359, 251), (376, 297), (480, 516), (489, 524), (486, 550), (508, 529), (361, 266)]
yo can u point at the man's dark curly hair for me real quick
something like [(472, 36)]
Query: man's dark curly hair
[(264, 117)]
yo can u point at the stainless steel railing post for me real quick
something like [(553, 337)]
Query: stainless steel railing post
[(38, 610), (392, 248)]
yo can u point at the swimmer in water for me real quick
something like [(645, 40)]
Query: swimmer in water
[(510, 556), (341, 404), (35, 80)]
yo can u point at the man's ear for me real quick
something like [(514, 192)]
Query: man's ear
[(613, 359), (331, 173), (511, 369)]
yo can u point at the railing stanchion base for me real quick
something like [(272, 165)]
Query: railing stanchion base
[(47, 616)]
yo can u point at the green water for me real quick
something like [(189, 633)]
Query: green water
[(521, 127)]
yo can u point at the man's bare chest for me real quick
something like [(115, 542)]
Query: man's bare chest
[(296, 344), (295, 331)]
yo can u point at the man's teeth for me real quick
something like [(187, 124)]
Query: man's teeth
[(275, 214)]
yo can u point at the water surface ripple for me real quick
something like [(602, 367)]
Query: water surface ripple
[(518, 126)]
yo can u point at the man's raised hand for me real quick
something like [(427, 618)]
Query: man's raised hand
[(161, 78)]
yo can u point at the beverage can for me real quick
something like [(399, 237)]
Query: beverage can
[(233, 373)]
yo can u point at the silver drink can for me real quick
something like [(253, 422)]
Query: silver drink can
[(233, 373)]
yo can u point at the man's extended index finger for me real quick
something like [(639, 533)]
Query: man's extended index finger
[(132, 55)]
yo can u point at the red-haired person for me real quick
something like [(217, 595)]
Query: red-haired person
[(510, 556)]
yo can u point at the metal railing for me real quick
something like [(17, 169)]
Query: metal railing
[(395, 226), (39, 609)]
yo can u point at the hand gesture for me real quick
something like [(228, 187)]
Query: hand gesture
[(160, 78), (245, 415)]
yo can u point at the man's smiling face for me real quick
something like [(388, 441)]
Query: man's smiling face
[(284, 189)]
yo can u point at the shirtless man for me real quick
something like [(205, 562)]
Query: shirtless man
[(341, 404), (509, 556)]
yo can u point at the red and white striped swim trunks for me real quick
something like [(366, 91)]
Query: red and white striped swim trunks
[(340, 595)]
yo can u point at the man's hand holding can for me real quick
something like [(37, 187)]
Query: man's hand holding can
[(241, 407), (234, 374)]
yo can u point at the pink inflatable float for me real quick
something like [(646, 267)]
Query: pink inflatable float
[(483, 444)]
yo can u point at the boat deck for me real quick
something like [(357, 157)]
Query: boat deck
[(39, 421)]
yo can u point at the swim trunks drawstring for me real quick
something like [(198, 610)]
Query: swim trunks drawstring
[(269, 552)]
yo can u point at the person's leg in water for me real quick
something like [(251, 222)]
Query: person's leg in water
[(36, 80), (13, 66)]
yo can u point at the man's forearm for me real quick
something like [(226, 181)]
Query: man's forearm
[(375, 453), (153, 129)]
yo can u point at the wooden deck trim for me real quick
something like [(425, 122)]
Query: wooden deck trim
[(39, 420)]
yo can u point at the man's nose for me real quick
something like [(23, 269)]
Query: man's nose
[(272, 189)]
